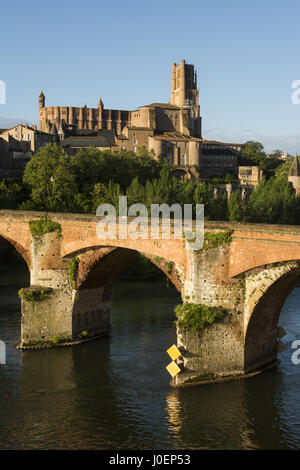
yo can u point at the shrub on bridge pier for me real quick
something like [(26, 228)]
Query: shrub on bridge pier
[(34, 293), (73, 270), (198, 316), (41, 226), (212, 240)]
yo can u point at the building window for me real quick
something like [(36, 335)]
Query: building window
[(183, 159), (134, 149)]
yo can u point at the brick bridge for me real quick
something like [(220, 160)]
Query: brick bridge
[(250, 277)]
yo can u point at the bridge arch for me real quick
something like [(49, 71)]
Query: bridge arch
[(103, 265), (14, 275), (171, 249), (14, 228), (20, 248), (253, 247), (266, 292), (181, 173), (98, 270)]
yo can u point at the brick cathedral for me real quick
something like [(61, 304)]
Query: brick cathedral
[(172, 129)]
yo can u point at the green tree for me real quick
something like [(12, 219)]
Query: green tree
[(135, 192), (50, 178), (11, 194), (164, 189), (252, 154), (204, 194), (81, 204), (235, 207), (218, 208), (105, 194), (186, 192), (273, 202)]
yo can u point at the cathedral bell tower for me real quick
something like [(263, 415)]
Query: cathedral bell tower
[(185, 95)]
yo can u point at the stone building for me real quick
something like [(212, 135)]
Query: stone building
[(249, 178), (245, 183), (172, 130), (94, 119), (103, 140), (182, 115), (218, 159), (17, 145)]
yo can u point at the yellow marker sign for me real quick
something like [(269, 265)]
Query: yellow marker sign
[(173, 369), (173, 352)]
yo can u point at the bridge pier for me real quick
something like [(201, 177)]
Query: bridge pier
[(217, 350), (62, 317), (47, 304), (245, 342), (54, 312)]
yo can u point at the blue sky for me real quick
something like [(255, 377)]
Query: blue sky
[(246, 55)]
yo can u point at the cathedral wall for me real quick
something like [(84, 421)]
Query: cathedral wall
[(83, 118), (141, 117), (167, 120)]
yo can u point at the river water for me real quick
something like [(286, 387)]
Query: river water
[(114, 393)]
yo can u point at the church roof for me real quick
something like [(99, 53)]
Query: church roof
[(25, 126), (104, 138), (107, 134), (161, 105), (84, 142), (54, 132)]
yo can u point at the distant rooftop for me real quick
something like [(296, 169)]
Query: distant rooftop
[(161, 105)]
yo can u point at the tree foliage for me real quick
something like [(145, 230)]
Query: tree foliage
[(50, 177), (54, 181), (235, 207)]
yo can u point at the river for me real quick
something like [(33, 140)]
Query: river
[(114, 393)]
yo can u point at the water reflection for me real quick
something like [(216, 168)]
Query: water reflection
[(213, 417), (174, 412)]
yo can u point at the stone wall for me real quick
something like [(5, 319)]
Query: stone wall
[(218, 349), (215, 351), (91, 313), (47, 320)]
